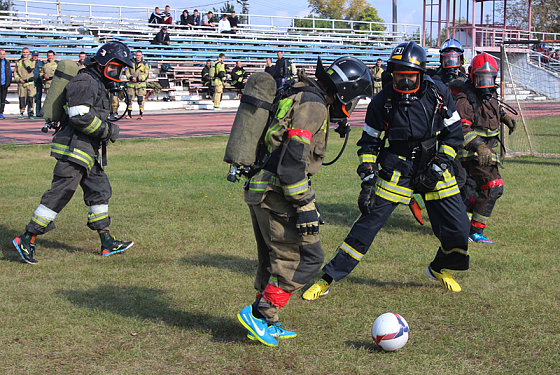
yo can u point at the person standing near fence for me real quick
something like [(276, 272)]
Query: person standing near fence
[(23, 75), (219, 80), (5, 81), (281, 71)]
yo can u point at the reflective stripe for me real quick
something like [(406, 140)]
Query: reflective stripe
[(469, 137), (391, 191), (298, 188), (487, 133), (447, 150), (453, 119), (303, 135), (93, 217), (446, 188), (77, 154), (93, 126), (367, 158), (340, 72), (45, 212), (99, 208), (351, 251), (455, 250), (258, 185), (371, 131), (269, 133), (77, 110), (480, 218)]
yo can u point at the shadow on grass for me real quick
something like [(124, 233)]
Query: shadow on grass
[(223, 262), (10, 253), (361, 345), (382, 284), (151, 304)]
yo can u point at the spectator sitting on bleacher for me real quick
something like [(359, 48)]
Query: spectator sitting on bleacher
[(233, 21), (5, 80), (224, 26), (207, 20), (555, 55), (195, 19), (206, 80), (167, 19), (270, 69), (162, 38), (185, 18), (239, 78), (156, 18)]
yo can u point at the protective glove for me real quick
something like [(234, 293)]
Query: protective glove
[(307, 219), (366, 199), (484, 155), (111, 132), (510, 123), (368, 171)]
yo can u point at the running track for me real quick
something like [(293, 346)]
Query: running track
[(182, 124)]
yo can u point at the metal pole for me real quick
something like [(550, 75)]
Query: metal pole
[(395, 19)]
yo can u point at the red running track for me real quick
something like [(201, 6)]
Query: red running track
[(167, 124)]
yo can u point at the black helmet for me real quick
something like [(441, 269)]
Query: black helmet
[(408, 54), (347, 77), (113, 51), (451, 54), (406, 61)]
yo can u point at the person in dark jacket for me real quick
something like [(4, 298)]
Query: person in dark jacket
[(38, 81), (84, 129), (239, 78), (156, 18), (5, 81), (423, 131), (206, 80), (281, 72), (270, 68), (162, 37)]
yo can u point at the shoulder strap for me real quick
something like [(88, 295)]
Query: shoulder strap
[(471, 97)]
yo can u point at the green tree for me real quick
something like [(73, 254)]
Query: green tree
[(369, 15), (227, 8), (4, 5), (338, 9), (307, 23), (545, 15)]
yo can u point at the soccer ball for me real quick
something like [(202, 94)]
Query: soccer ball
[(390, 332)]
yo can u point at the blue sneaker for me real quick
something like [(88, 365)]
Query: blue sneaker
[(276, 331), (258, 327), (2, 117), (20, 117), (479, 237)]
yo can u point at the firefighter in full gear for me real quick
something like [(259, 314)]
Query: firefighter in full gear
[(280, 197), (136, 85), (83, 130), (219, 80), (206, 79), (239, 78), (114, 112), (377, 73), (452, 73), (23, 75), (47, 71), (481, 114), (423, 131)]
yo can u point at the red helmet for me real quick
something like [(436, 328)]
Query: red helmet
[(483, 71)]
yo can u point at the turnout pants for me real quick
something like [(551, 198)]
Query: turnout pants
[(286, 259), (139, 93), (26, 94), (489, 187), (218, 90), (67, 176), (449, 221)]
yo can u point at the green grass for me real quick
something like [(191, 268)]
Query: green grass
[(169, 304)]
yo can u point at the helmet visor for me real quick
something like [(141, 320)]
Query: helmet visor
[(450, 60), (483, 80), (406, 81), (113, 71)]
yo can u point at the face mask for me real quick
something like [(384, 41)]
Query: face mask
[(112, 71), (406, 100), (450, 60), (340, 112), (483, 80), (406, 83)]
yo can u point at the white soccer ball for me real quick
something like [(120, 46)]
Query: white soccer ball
[(390, 332)]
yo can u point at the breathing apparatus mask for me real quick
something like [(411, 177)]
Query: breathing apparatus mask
[(484, 83), (111, 76), (406, 81), (339, 111)]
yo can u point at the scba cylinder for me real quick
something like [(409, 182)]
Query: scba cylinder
[(53, 107), (250, 120)]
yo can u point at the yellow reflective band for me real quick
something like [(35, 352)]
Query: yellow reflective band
[(397, 57), (447, 150), (455, 250), (93, 126), (40, 220), (258, 185), (77, 154), (301, 187), (480, 218), (367, 158), (351, 251), (93, 217)]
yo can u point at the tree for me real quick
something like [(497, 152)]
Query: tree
[(319, 23), (338, 9), (369, 15), (4, 5), (546, 15), (227, 8)]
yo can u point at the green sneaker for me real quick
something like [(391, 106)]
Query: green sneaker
[(20, 117), (320, 288)]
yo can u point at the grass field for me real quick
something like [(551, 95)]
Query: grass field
[(169, 304)]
